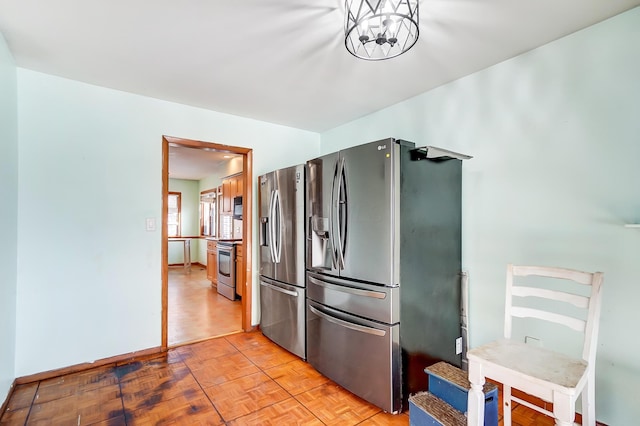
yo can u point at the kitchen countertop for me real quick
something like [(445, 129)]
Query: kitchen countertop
[(224, 240)]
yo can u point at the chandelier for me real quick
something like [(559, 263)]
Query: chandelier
[(380, 29)]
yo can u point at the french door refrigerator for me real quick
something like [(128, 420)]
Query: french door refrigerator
[(281, 255), (383, 267)]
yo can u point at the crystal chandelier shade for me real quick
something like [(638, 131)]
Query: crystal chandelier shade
[(380, 29)]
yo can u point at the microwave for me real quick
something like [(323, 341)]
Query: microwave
[(237, 207)]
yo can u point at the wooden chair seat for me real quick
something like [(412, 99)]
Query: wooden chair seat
[(512, 361)]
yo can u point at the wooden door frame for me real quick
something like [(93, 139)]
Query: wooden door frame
[(247, 169)]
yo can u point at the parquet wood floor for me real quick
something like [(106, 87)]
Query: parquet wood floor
[(195, 309), (240, 379)]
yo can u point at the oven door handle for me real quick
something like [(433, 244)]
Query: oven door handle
[(347, 324)]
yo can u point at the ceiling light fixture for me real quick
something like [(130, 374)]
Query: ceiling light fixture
[(380, 29)]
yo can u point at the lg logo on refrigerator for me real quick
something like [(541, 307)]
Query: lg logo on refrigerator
[(381, 147)]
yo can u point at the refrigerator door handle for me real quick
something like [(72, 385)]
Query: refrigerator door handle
[(270, 227), (339, 208), (279, 289), (278, 209), (333, 219), (347, 324)]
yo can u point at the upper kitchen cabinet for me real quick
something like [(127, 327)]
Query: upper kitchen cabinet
[(226, 198), (239, 186), (232, 186)]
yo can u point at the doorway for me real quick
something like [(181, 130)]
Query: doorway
[(244, 263)]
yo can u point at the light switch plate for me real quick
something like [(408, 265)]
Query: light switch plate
[(151, 224)]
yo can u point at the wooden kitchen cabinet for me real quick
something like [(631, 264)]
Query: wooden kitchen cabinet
[(239, 186), (228, 187), (232, 186), (240, 275), (212, 262)]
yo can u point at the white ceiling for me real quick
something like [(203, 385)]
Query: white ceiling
[(195, 163), (281, 61)]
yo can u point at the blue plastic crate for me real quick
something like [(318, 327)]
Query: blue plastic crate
[(425, 409), (450, 384)]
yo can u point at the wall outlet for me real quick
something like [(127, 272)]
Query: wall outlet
[(458, 345)]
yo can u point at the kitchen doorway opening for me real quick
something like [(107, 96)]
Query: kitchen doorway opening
[(173, 279)]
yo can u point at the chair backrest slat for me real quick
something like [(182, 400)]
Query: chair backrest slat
[(573, 323), (591, 303), (575, 299), (580, 277)]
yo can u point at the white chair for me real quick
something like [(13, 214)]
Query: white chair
[(551, 376)]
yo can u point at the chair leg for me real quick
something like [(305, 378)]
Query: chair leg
[(589, 402), (506, 405), (564, 409), (475, 397)]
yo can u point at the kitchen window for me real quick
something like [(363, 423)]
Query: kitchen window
[(208, 213), (173, 216)]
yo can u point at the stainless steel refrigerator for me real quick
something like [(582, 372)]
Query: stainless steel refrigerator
[(383, 267), (281, 256)]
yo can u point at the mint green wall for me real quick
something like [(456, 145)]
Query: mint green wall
[(555, 139), (190, 219), (91, 164), (8, 216), (210, 182)]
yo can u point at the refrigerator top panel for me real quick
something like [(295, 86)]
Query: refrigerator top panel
[(281, 225)]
